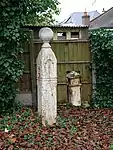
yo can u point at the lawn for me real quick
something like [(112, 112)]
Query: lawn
[(76, 129)]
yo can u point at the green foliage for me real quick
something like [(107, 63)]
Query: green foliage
[(73, 130), (15, 119), (111, 147), (102, 52), (69, 123), (41, 12), (11, 37), (62, 122), (13, 15)]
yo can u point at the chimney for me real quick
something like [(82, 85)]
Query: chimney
[(103, 11), (86, 19)]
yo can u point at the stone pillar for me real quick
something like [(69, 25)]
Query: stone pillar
[(74, 86), (47, 79)]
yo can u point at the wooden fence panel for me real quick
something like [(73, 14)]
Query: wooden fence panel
[(25, 81), (71, 56)]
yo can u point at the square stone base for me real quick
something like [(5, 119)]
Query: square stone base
[(25, 99)]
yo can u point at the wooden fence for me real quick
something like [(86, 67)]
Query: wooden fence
[(72, 55)]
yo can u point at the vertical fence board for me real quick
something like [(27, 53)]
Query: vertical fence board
[(33, 74)]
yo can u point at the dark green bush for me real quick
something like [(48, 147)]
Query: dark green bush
[(11, 37), (14, 14), (102, 51)]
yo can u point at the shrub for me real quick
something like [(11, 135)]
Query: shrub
[(102, 51), (11, 37)]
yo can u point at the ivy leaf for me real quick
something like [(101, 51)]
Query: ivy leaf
[(0, 44), (2, 3), (5, 14), (6, 64)]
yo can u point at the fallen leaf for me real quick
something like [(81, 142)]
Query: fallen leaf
[(6, 130), (12, 140), (94, 131), (11, 147), (1, 145), (11, 136)]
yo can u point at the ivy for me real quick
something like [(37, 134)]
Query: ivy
[(13, 15), (102, 51), (11, 37)]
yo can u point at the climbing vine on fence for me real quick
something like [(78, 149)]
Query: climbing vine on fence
[(11, 37), (13, 15), (102, 51)]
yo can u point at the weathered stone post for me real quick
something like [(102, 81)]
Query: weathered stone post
[(47, 79), (74, 86)]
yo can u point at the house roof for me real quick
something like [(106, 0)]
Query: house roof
[(76, 17), (56, 26), (103, 20)]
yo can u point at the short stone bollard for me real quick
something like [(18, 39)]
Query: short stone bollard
[(47, 79), (74, 92)]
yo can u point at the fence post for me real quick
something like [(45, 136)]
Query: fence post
[(33, 74)]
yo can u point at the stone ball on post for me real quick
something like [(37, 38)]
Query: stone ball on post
[(46, 34)]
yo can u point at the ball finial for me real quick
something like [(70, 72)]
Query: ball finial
[(45, 34)]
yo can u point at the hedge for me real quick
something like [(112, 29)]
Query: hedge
[(102, 53)]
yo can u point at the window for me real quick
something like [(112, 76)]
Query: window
[(74, 35), (61, 35)]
